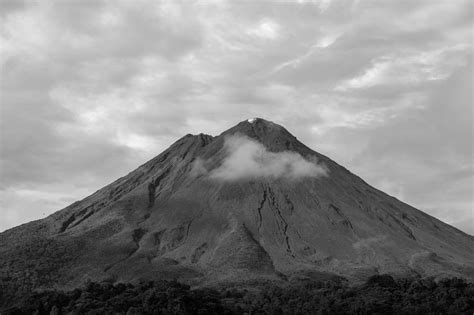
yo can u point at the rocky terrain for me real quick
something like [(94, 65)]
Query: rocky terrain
[(252, 203)]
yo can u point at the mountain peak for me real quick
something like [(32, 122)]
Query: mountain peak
[(261, 121), (272, 135), (258, 120)]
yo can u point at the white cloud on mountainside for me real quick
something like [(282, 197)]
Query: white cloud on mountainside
[(247, 158)]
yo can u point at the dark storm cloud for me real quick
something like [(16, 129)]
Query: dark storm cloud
[(91, 89)]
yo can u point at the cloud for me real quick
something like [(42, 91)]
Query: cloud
[(323, 5), (410, 70), (248, 159), (267, 29)]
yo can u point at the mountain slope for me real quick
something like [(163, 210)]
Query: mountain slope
[(253, 202)]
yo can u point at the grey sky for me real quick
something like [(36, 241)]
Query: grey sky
[(91, 89)]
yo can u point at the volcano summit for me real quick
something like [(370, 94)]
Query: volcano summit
[(251, 203)]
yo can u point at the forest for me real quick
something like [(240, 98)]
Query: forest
[(380, 294)]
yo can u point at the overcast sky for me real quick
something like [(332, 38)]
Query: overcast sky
[(91, 89)]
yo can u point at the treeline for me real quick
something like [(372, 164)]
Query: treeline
[(381, 294)]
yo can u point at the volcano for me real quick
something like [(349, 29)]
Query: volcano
[(251, 203)]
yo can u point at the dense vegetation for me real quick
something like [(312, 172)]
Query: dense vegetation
[(379, 295)]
